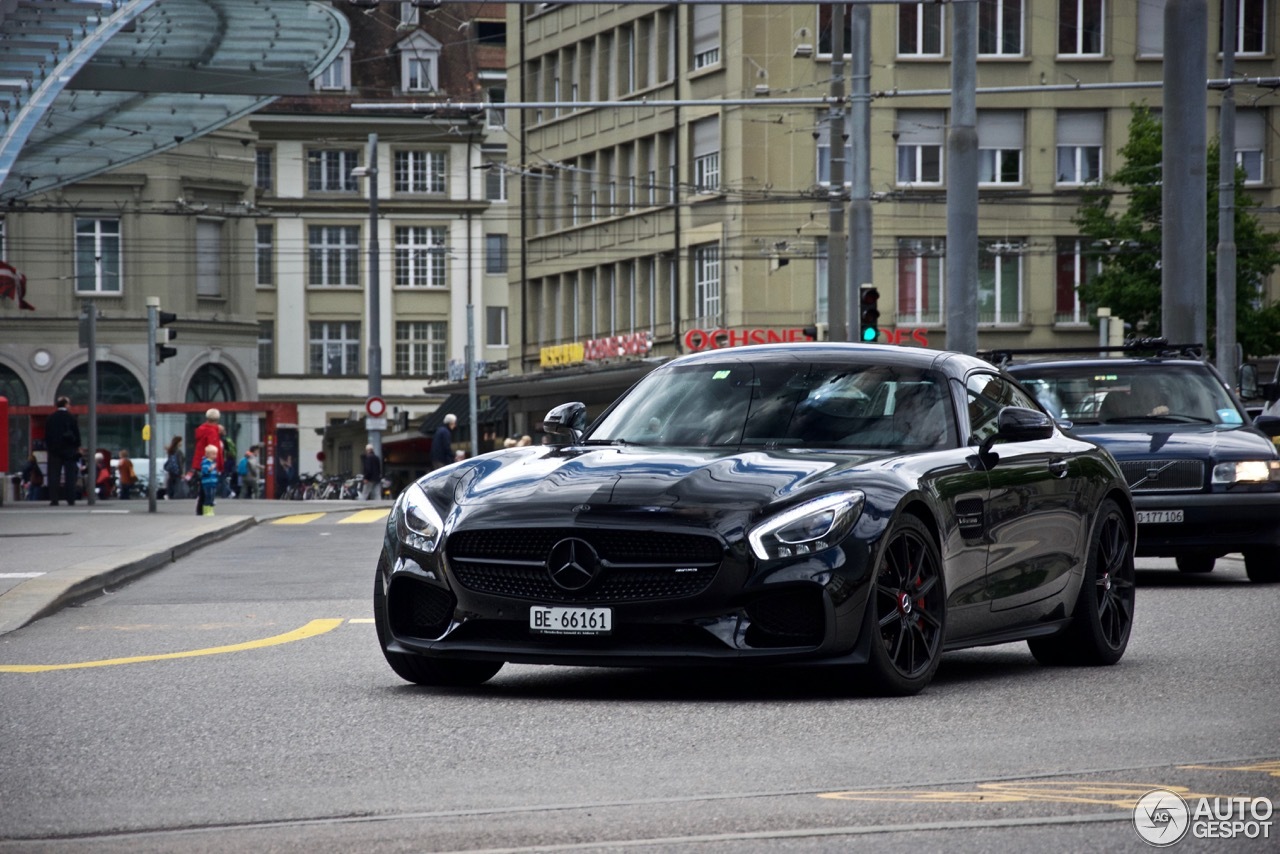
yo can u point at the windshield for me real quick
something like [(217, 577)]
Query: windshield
[(1131, 393), (776, 404)]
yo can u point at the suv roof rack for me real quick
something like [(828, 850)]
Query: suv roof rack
[(1159, 347)]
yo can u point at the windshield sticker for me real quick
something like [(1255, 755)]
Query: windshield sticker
[(1105, 378), (720, 375), (1230, 416)]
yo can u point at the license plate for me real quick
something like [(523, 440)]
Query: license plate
[(570, 621), (1159, 517)]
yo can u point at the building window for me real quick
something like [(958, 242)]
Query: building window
[(706, 284), (266, 347), (495, 253), (334, 255), (491, 32), (495, 326), (98, 256), (409, 13), (1000, 281), (822, 265), (999, 27), (826, 37), (495, 181), (420, 348), (920, 286), (1000, 147), (264, 255), (496, 117), (419, 63), (705, 23), (1080, 25), (1079, 140), (419, 171), (1075, 268), (337, 75), (824, 150), (920, 29), (420, 74), (264, 169), (1251, 135), (920, 135), (208, 258), (329, 170), (1251, 27), (420, 253), (706, 154), (335, 348), (1150, 28)]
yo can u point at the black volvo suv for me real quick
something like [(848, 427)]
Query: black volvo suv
[(1205, 479)]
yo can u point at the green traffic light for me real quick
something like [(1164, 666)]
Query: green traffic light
[(870, 334)]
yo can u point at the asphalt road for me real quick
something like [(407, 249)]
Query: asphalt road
[(237, 701)]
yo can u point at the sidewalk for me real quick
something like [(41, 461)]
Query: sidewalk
[(51, 557)]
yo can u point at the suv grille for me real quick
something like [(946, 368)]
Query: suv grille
[(635, 566), (1164, 475)]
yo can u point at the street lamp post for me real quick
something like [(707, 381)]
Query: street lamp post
[(374, 358)]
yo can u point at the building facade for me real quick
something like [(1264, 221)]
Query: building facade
[(651, 230)]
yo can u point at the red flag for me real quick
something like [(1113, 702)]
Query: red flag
[(13, 285)]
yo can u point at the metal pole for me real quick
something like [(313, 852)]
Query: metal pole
[(1184, 204), (153, 315), (375, 292), (90, 467), (837, 277), (1226, 283), (860, 169), (962, 184), (472, 408)]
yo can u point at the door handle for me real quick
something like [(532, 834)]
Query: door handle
[(1058, 468)]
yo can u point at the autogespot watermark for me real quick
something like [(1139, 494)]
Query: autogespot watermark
[(1163, 818)]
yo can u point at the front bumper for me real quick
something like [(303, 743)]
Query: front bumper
[(1212, 522), (809, 609)]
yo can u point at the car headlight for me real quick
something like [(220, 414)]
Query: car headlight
[(418, 525), (807, 528), (1247, 471)]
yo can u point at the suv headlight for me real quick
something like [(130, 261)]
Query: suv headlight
[(1247, 471), (418, 525), (807, 528)]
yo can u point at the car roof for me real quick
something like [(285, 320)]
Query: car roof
[(1177, 363), (871, 354)]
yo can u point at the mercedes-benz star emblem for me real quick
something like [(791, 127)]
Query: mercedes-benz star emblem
[(573, 564)]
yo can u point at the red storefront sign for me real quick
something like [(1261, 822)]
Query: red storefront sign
[(696, 340)]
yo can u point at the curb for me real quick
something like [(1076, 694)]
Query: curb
[(47, 594)]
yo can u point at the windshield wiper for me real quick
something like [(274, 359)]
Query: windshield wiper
[(1177, 419)]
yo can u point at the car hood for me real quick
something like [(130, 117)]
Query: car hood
[(522, 486), (1141, 441)]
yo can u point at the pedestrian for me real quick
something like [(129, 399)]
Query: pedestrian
[(32, 479), (524, 441), (442, 442), (209, 477), (509, 442), (249, 471), (371, 469), (62, 441), (207, 434), (128, 477), (174, 464), (102, 479)]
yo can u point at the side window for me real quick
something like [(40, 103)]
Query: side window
[(987, 395)]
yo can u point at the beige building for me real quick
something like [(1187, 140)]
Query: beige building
[(652, 230)]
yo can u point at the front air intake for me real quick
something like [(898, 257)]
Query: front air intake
[(419, 610)]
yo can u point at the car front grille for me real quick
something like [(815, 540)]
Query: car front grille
[(633, 636), (1163, 475), (635, 566)]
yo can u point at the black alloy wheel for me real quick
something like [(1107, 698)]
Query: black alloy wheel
[(908, 604), (1103, 617), (419, 669)]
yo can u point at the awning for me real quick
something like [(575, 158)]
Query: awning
[(460, 405)]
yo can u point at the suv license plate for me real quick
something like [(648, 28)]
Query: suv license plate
[(570, 621), (1159, 517)]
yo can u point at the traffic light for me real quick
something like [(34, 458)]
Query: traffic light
[(164, 336), (869, 314)]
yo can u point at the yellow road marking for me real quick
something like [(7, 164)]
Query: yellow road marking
[(377, 514), (1268, 766), (310, 630), (300, 519), (1108, 794)]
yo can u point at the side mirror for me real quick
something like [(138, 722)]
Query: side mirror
[(1270, 392), (1249, 382), (1019, 424), (1268, 424), (568, 420)]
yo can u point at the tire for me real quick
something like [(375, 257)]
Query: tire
[(1103, 616), (1263, 565), (418, 669), (908, 606), (1195, 563)]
